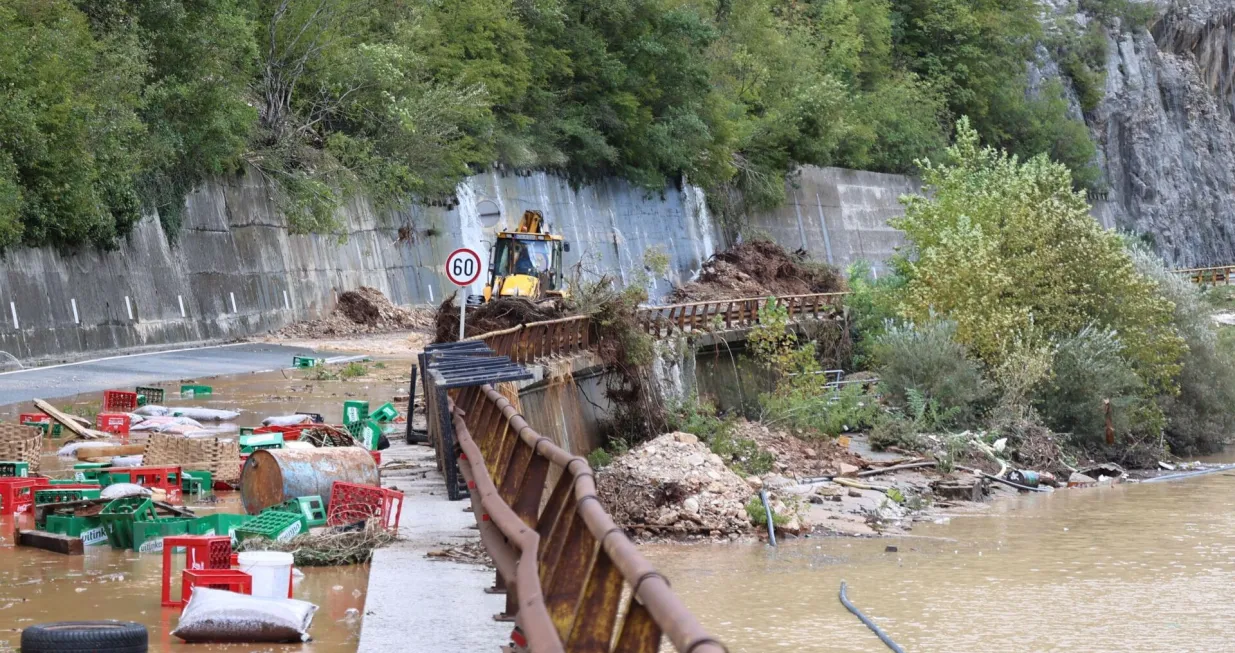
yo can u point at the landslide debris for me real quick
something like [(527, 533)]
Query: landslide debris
[(758, 268), (360, 311), (501, 313), (674, 485)]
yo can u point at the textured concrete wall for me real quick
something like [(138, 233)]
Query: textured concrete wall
[(235, 271), (840, 216)]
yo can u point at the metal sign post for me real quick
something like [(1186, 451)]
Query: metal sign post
[(462, 268)]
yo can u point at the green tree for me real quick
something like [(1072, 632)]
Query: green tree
[(1007, 249)]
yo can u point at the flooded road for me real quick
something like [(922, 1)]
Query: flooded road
[(38, 586), (1125, 568)]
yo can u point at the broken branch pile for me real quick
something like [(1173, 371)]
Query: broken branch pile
[(359, 311), (757, 269)]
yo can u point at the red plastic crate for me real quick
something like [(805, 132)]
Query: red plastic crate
[(17, 495), (117, 423), (119, 401), (289, 432), (232, 580), (201, 552), (377, 456), (34, 417), (156, 478), (352, 502)]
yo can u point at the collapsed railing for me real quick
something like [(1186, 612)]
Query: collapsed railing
[(662, 321), (527, 342), (564, 563)]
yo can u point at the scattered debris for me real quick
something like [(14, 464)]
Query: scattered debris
[(336, 547), (472, 553)]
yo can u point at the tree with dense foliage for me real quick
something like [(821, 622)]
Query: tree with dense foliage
[(112, 108)]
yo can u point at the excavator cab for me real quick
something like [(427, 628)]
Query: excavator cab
[(526, 262)]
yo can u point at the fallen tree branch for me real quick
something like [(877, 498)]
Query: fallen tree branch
[(896, 468)]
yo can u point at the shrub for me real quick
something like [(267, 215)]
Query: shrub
[(928, 362), (1202, 415), (895, 432), (808, 406), (599, 459), (1089, 368), (872, 306), (759, 515)]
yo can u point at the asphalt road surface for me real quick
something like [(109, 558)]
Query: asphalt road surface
[(140, 369)]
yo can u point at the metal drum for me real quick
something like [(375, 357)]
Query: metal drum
[(272, 476)]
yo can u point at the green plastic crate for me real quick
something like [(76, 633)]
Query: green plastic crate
[(312, 508), (355, 411), (251, 443), (247, 430), (385, 413), (272, 525), (149, 395), (86, 472), (220, 523), (89, 529), (196, 391), (191, 482), (13, 468), (148, 535), (68, 481), (119, 515), (305, 361), (64, 496), (366, 433), (49, 429)]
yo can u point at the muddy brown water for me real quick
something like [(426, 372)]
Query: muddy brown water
[(38, 586), (1126, 568)]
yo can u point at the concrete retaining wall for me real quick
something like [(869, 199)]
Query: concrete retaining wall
[(236, 271)]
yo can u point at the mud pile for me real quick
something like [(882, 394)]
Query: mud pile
[(799, 457), (501, 313), (757, 269), (359, 311), (674, 485)]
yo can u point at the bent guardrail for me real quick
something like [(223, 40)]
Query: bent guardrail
[(564, 562)]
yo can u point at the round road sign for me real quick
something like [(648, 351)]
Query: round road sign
[(463, 266)]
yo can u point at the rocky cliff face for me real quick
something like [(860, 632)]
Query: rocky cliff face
[(1166, 136)]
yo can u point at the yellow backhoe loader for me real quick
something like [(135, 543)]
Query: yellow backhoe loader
[(527, 262)]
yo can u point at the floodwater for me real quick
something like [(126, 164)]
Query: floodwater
[(38, 586), (1127, 568)]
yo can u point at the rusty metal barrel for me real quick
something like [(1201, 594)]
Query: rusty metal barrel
[(272, 476)]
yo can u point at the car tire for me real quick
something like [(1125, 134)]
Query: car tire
[(83, 636)]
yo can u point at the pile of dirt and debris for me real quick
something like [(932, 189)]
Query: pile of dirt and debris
[(501, 313), (674, 485), (757, 269), (800, 457), (360, 311)]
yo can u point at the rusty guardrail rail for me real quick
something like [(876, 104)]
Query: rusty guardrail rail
[(662, 321), (563, 561), (527, 342), (1218, 274)]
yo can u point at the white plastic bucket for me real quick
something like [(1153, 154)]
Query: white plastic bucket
[(271, 572)]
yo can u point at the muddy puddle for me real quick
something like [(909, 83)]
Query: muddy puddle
[(37, 586), (1126, 568)]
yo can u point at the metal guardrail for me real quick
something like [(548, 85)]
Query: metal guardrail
[(564, 563), (1219, 274), (662, 321), (527, 342)]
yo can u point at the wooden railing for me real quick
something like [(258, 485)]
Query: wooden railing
[(527, 342), (565, 564), (661, 321), (1219, 274)]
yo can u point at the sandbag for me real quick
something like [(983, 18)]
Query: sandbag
[(168, 425), (205, 414), (70, 450), (121, 490), (287, 420), (151, 410), (221, 616)]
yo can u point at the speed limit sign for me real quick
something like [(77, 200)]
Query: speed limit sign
[(463, 266)]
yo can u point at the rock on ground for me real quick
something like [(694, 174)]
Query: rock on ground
[(674, 485), (360, 311)]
